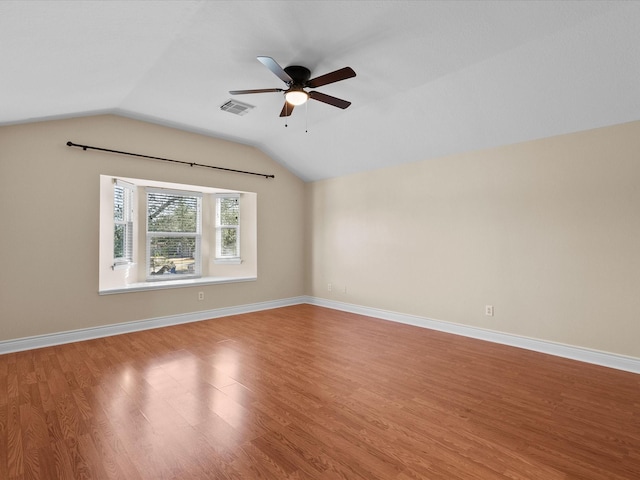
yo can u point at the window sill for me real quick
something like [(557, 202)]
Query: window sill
[(122, 265), (162, 285), (229, 261)]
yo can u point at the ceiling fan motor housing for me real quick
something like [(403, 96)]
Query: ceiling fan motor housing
[(299, 75)]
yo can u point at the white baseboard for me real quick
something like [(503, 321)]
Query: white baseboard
[(606, 359), (39, 341)]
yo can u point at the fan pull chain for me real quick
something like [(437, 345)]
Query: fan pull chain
[(306, 117), (286, 117)]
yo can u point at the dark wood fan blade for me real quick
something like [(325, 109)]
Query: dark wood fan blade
[(259, 90), (336, 102), (277, 70), (342, 74), (286, 109)]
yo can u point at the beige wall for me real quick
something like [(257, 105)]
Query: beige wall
[(49, 206), (547, 231)]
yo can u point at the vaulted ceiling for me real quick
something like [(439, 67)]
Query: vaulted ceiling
[(433, 78)]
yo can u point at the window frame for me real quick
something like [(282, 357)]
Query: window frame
[(197, 235), (127, 222), (219, 258)]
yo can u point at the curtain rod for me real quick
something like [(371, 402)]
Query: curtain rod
[(191, 164)]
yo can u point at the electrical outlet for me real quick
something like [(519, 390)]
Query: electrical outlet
[(328, 287), (488, 310), (200, 295)]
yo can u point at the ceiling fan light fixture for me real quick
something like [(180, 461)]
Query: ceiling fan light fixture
[(296, 78), (296, 97)]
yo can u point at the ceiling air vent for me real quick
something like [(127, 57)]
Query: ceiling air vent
[(238, 108)]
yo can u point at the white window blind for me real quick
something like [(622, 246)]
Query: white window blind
[(122, 223), (173, 234), (228, 226)]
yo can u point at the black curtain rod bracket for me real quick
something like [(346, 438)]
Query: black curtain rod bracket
[(191, 164)]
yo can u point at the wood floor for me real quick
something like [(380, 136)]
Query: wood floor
[(305, 392)]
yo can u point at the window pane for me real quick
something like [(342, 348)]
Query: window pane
[(118, 203), (172, 213), (172, 255), (229, 211), (229, 243), (119, 239)]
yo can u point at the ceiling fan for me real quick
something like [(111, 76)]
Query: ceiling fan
[(297, 79)]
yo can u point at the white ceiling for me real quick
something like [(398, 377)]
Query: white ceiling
[(433, 78)]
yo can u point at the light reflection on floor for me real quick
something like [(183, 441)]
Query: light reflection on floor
[(181, 398)]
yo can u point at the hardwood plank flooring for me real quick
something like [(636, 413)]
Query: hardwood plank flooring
[(305, 392)]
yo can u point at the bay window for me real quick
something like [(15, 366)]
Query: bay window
[(156, 235)]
